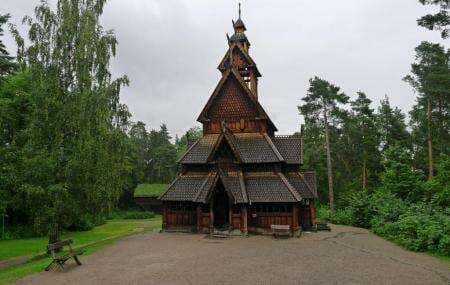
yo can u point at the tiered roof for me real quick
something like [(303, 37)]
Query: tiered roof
[(243, 187), (248, 148), (252, 164)]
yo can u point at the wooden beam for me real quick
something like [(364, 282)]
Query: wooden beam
[(230, 216), (164, 217), (244, 220), (312, 208), (211, 218), (295, 219), (199, 218)]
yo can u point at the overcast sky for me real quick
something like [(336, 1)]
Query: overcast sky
[(170, 50)]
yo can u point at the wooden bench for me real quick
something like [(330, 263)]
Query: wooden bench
[(59, 256), (323, 227), (281, 230)]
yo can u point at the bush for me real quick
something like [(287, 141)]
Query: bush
[(342, 217), (138, 215), (323, 213), (132, 215)]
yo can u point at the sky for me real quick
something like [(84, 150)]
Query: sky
[(170, 50)]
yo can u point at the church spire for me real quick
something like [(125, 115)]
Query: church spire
[(239, 26), (239, 10)]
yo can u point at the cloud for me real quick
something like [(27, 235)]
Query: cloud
[(170, 51)]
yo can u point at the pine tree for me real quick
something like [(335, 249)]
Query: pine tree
[(430, 77), (321, 104), (365, 136), (439, 21), (7, 65), (392, 126)]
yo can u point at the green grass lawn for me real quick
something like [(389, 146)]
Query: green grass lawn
[(145, 190), (91, 240)]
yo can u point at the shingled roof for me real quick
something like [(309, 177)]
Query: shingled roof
[(256, 148), (290, 148), (235, 185), (224, 63), (269, 188), (228, 75), (248, 147), (310, 179), (200, 150), (254, 187), (185, 188), (304, 189)]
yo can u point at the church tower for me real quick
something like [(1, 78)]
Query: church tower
[(235, 99), (240, 177)]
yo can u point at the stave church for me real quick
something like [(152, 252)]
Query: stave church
[(240, 177)]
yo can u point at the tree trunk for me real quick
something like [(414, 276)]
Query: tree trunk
[(364, 173), (430, 143), (329, 164)]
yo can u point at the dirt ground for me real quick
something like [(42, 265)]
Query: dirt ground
[(346, 255)]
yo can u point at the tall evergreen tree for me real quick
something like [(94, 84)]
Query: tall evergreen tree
[(392, 126), (365, 137), (439, 21), (320, 104), (7, 65), (430, 77)]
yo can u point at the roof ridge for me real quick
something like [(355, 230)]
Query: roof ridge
[(306, 183), (247, 91), (243, 188), (232, 143), (293, 191), (208, 176), (168, 188), (246, 55), (188, 150), (215, 146), (273, 147)]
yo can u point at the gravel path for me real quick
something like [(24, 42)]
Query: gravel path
[(346, 255)]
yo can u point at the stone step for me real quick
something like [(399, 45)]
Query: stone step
[(221, 235)]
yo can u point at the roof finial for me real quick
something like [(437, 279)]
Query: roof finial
[(239, 10)]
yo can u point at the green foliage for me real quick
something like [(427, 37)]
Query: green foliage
[(439, 21), (192, 135), (430, 77), (7, 65), (417, 222), (63, 129), (138, 215), (146, 190), (91, 241), (399, 178)]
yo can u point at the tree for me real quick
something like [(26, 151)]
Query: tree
[(74, 154), (7, 65), (164, 156), (321, 102), (399, 178), (430, 77), (439, 21), (392, 126), (365, 136), (191, 135)]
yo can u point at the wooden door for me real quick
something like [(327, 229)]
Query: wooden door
[(305, 217)]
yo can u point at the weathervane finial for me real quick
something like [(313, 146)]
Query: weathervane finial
[(239, 10)]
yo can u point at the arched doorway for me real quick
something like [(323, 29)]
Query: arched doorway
[(221, 208)]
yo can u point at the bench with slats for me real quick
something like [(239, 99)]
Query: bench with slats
[(281, 230), (60, 257), (323, 227)]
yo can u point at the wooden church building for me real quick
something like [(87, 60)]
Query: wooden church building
[(240, 176)]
